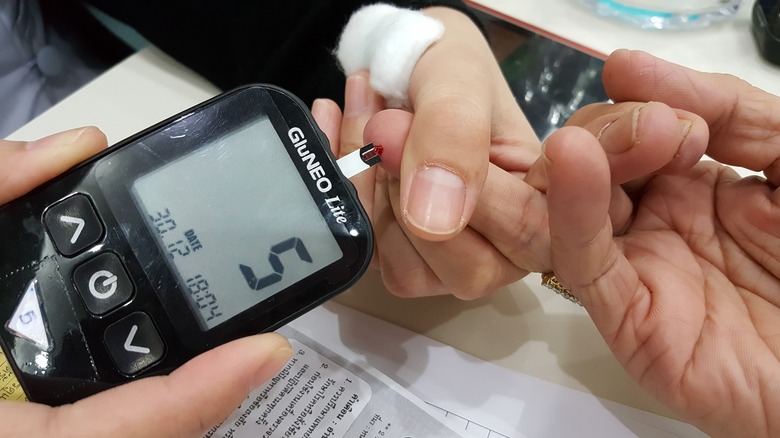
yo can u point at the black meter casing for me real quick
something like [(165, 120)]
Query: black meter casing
[(226, 220)]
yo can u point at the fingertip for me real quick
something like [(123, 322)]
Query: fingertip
[(625, 57), (236, 368), (564, 142), (194, 397), (25, 165), (645, 138), (359, 98), (279, 351), (228, 373), (327, 115), (365, 74), (389, 128), (576, 167), (93, 137), (88, 138), (258, 357), (58, 152), (61, 151), (622, 71), (652, 139), (694, 136), (323, 111)]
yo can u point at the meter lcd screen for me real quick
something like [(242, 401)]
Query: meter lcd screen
[(233, 224)]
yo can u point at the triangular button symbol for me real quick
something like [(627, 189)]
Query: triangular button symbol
[(27, 321), (129, 342), (79, 226)]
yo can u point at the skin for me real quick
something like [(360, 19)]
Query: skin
[(26, 165), (462, 106), (464, 118), (675, 260), (683, 284)]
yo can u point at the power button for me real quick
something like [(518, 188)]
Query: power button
[(103, 283)]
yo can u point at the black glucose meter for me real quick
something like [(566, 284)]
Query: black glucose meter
[(229, 219)]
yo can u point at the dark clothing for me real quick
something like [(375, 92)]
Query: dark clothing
[(46, 56), (233, 42)]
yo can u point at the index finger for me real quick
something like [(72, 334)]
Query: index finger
[(744, 121)]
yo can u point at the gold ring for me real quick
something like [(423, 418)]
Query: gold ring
[(550, 281)]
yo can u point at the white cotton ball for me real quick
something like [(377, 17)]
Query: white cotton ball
[(388, 41)]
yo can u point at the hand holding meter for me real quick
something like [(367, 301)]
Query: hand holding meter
[(226, 220)]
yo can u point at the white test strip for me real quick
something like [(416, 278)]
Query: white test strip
[(360, 160)]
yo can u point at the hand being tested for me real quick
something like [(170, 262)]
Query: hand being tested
[(462, 111), (463, 108), (436, 63), (455, 198), (464, 121), (185, 403), (410, 265), (682, 281)]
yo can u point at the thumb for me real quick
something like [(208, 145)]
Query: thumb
[(186, 403), (585, 256), (26, 165), (578, 199)]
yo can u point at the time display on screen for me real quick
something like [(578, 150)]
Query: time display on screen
[(235, 222)]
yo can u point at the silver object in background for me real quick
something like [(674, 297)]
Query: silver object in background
[(666, 14)]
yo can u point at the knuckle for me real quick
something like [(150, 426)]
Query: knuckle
[(408, 283)]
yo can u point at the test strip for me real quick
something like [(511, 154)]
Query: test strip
[(360, 160)]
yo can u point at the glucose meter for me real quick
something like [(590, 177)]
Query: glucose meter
[(228, 219)]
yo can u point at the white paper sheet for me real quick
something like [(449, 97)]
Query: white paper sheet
[(486, 400)]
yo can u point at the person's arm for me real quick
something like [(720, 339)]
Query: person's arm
[(232, 43)]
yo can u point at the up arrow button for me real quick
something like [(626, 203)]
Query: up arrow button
[(73, 224)]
